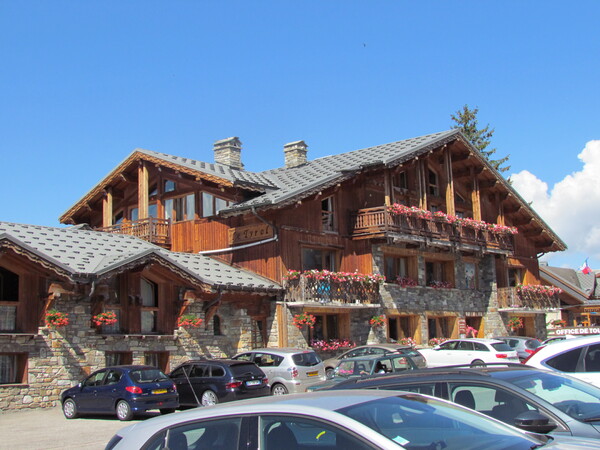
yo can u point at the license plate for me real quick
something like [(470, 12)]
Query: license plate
[(253, 382), (159, 391), (312, 374)]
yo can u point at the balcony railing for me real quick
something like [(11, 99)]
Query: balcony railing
[(509, 298), (371, 222), (310, 290), (150, 229)]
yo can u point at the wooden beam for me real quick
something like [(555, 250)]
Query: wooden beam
[(143, 190), (511, 209), (475, 196), (450, 207), (387, 185), (487, 184), (107, 208), (532, 233), (469, 172), (526, 221), (460, 158)]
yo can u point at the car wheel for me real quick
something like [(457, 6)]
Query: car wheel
[(478, 363), (279, 389), (70, 408), (167, 411), (329, 372), (124, 411), (209, 398)]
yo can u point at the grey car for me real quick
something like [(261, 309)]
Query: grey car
[(289, 370), (357, 420), (376, 349), (525, 346)]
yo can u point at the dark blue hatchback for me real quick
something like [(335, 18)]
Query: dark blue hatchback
[(121, 390)]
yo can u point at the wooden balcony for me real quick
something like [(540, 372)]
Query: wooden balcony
[(328, 292), (510, 299), (151, 229), (378, 222)]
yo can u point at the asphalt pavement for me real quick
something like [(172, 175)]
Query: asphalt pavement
[(47, 428)]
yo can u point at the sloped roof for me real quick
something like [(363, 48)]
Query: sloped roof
[(581, 286), (82, 253)]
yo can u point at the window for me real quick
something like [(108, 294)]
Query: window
[(149, 293), (259, 336), (515, 276), (133, 214), (395, 267), (118, 218), (400, 180), (328, 214), (438, 271), (179, 209), (433, 188), (157, 359), (402, 327), (327, 326), (9, 298), (440, 327), (567, 361), (169, 186), (470, 275), (217, 326), (152, 210), (213, 434), (211, 205), (118, 358), (13, 368), (318, 259)]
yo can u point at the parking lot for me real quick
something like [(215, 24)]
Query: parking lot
[(47, 428)]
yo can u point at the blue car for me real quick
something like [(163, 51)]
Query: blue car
[(121, 390)]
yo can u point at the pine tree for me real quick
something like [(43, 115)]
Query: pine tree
[(466, 121)]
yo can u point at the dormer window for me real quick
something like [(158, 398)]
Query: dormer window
[(433, 184)]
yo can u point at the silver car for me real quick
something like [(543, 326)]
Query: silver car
[(376, 349), (357, 420), (289, 370)]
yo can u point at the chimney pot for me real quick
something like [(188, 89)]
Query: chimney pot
[(229, 152)]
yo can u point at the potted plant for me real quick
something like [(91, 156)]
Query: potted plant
[(377, 321), (105, 318), (557, 323), (436, 341), (304, 319), (189, 321), (56, 319), (514, 323)]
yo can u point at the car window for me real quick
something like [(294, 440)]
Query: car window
[(493, 401), (400, 364), (199, 370), (532, 344), (566, 361), (427, 388), (113, 377), (267, 360), (147, 375), (217, 371), (357, 352), (451, 345), (465, 345), (209, 434), (377, 351), (244, 357), (278, 432), (592, 358), (480, 347), (306, 359), (501, 347), (245, 369), (95, 379)]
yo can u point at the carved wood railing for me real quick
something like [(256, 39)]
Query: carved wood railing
[(151, 229), (510, 298), (307, 289), (373, 221)]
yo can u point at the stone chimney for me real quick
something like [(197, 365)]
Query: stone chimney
[(295, 154), (229, 152)]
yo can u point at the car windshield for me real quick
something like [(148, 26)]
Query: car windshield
[(532, 344), (578, 399), (147, 375), (417, 422), (502, 347), (306, 359)]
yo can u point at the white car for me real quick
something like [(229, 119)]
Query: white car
[(474, 352), (579, 358)]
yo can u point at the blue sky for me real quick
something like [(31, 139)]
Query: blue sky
[(84, 83)]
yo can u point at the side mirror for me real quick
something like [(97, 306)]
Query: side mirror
[(535, 422)]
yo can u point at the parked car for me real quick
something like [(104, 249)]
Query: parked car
[(357, 420), (288, 369), (476, 352), (532, 399), (524, 346), (376, 349), (209, 381), (121, 390), (362, 366), (579, 358)]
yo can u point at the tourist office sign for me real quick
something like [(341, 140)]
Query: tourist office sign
[(576, 331)]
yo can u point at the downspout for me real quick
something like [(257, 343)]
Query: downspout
[(251, 244)]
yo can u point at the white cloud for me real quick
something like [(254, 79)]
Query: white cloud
[(572, 207)]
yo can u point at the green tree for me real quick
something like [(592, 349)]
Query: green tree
[(465, 120)]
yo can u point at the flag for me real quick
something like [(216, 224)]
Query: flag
[(585, 268)]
